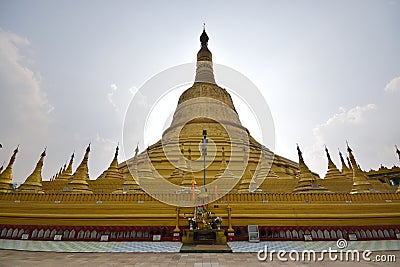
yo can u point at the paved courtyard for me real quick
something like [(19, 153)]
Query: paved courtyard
[(242, 246), (48, 253), (29, 258)]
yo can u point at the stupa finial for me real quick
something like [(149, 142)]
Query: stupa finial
[(327, 153), (204, 37), (348, 147), (204, 68), (137, 149), (44, 152), (299, 151), (116, 151)]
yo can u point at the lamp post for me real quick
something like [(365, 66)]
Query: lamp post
[(204, 150)]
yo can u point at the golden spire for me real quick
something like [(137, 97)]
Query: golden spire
[(204, 71), (246, 181), (223, 161), (137, 150), (302, 166), (79, 180), (130, 184), (345, 170), (145, 169), (115, 159), (69, 168), (247, 178), (224, 173), (360, 181), (135, 161), (181, 160), (6, 175), (224, 166), (350, 165), (33, 184), (333, 171), (67, 171), (188, 176), (262, 171), (306, 183), (177, 174), (113, 171)]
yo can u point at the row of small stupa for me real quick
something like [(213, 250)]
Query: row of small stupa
[(308, 183), (78, 181)]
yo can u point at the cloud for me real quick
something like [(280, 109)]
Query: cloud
[(26, 113), (120, 99), (110, 143), (369, 130), (110, 96), (345, 124), (354, 115), (393, 85), (22, 92)]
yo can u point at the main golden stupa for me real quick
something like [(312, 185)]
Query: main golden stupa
[(244, 183)]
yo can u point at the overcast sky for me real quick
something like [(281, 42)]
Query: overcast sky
[(329, 71)]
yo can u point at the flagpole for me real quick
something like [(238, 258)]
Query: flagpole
[(205, 140)]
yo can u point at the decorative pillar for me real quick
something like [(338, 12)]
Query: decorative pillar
[(231, 232), (177, 232)]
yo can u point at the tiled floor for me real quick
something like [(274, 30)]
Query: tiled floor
[(69, 246), (317, 246), (29, 259), (58, 253), (202, 248)]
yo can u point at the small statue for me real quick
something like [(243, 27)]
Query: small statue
[(192, 222), (218, 221)]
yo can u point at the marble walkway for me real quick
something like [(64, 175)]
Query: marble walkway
[(70, 246)]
